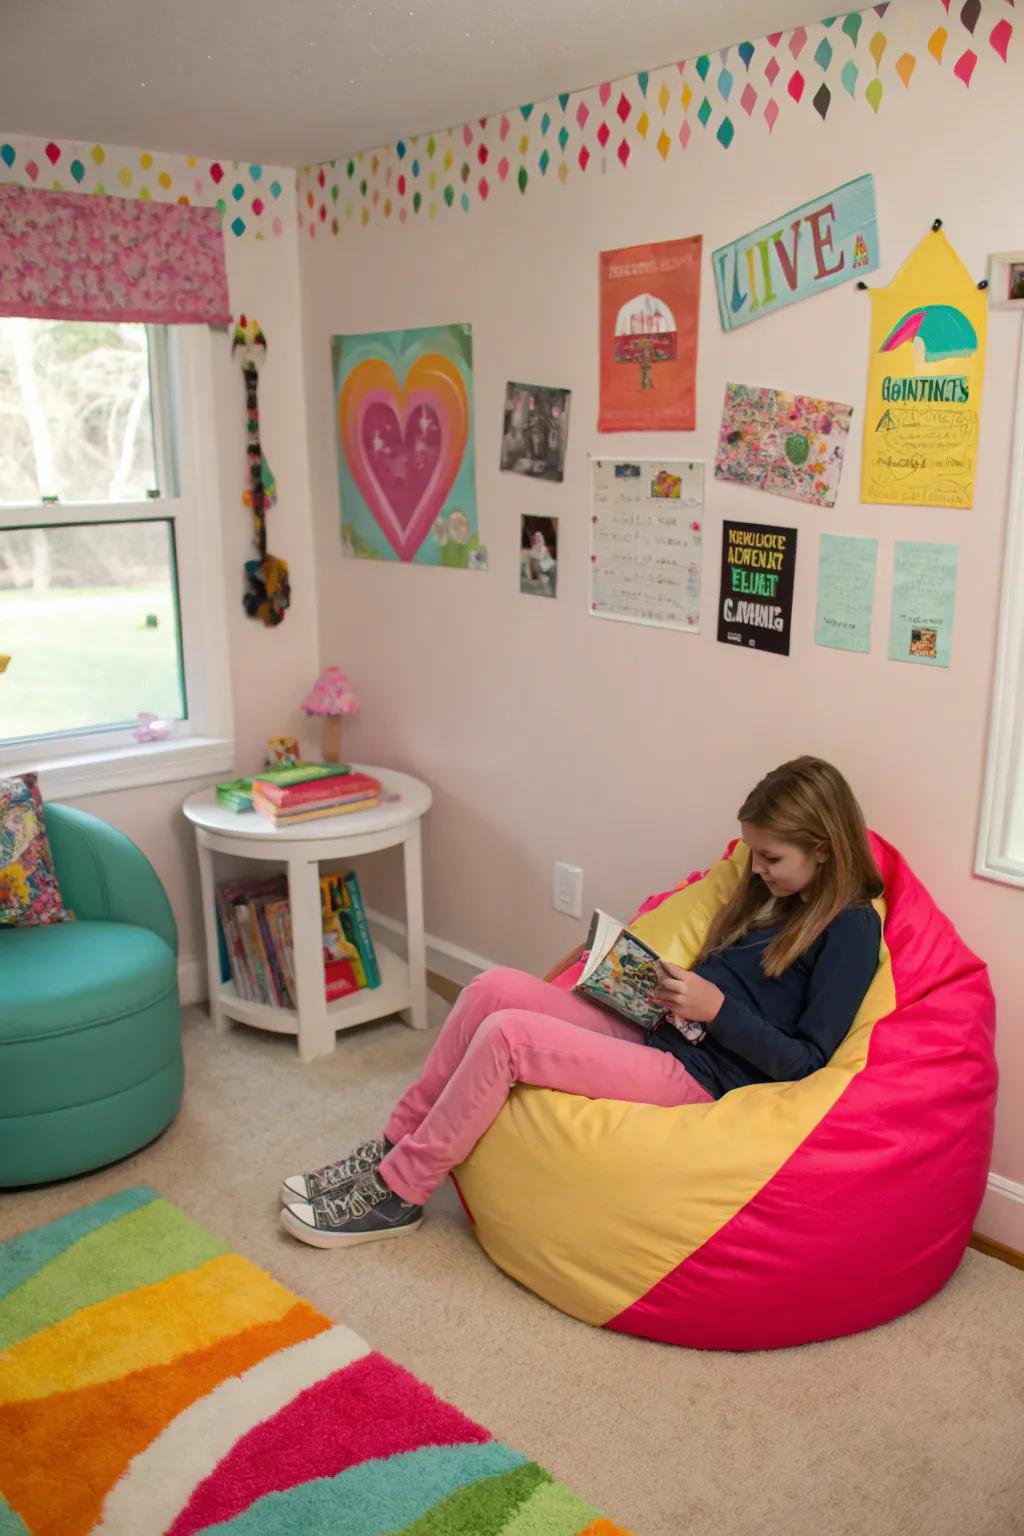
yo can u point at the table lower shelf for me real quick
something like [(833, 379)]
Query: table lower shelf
[(393, 994)]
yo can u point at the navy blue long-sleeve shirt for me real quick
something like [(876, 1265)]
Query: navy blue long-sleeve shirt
[(780, 1028)]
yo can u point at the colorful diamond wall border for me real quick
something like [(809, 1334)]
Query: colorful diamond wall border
[(254, 199), (860, 57)]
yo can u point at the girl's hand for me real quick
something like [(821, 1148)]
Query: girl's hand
[(688, 995)]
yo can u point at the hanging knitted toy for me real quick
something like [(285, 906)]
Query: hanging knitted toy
[(267, 590)]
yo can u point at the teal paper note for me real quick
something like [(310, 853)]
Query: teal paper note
[(846, 592), (923, 598)]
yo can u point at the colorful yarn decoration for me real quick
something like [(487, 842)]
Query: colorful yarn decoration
[(267, 594)]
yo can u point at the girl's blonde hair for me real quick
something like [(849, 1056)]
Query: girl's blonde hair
[(806, 802)]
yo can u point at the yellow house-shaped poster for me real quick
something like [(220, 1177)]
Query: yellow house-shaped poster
[(924, 382)]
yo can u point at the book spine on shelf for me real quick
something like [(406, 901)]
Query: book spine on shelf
[(261, 987), (364, 939), (284, 932), (233, 942), (269, 949), (348, 924), (223, 955)]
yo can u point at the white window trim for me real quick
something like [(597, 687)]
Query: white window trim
[(1001, 829), (204, 744)]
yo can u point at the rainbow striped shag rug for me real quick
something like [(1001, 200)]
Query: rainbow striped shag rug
[(154, 1384)]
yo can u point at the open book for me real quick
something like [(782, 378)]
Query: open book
[(622, 971)]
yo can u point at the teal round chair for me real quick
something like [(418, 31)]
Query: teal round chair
[(90, 1020)]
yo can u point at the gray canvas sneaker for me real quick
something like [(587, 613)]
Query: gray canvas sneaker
[(361, 1212), (332, 1177)]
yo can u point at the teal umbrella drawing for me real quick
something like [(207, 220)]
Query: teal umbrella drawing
[(942, 330)]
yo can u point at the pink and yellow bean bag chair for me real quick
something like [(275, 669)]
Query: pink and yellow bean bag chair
[(784, 1212)]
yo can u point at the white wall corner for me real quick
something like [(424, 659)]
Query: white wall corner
[(192, 986)]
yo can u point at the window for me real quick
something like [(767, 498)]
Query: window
[(110, 598), (1001, 835)]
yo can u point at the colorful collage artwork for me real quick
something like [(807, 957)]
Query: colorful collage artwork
[(790, 445), (404, 422)]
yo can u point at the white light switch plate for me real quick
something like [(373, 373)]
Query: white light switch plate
[(567, 890)]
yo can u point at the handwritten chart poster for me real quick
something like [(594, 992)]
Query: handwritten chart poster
[(755, 606), (790, 445), (924, 382), (650, 295), (846, 592), (923, 599), (645, 542), (812, 248)]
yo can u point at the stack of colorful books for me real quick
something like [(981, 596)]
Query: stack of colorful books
[(285, 804), (236, 794), (257, 947)]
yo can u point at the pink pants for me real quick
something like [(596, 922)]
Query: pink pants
[(508, 1027)]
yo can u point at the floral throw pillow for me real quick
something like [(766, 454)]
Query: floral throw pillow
[(29, 892)]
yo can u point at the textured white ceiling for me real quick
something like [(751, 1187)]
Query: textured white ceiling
[(290, 82)]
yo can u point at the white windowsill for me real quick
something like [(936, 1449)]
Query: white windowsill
[(157, 762), (1008, 871)]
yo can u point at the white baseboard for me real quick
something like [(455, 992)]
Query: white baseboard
[(1001, 1218), (449, 960)]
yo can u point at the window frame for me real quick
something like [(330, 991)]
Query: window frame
[(1000, 851), (83, 763)]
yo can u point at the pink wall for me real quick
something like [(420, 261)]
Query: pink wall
[(548, 735)]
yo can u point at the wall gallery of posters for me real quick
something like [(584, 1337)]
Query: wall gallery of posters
[(405, 439)]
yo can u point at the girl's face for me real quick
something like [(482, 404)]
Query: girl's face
[(785, 869)]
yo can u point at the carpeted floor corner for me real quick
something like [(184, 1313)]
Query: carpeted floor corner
[(914, 1429)]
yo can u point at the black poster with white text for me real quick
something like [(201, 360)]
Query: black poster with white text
[(755, 605)]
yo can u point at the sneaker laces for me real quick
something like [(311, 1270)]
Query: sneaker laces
[(363, 1160)]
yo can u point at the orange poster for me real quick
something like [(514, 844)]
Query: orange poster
[(650, 297)]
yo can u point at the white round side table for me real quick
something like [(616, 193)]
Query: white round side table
[(300, 848)]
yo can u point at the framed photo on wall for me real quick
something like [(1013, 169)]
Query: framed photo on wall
[(1006, 280)]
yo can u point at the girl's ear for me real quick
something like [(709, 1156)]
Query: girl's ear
[(822, 853)]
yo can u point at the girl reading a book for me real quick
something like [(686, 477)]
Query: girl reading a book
[(770, 997)]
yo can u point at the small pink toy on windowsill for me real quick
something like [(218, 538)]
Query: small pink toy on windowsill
[(151, 728), (331, 698)]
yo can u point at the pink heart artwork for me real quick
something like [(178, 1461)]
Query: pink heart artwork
[(404, 445)]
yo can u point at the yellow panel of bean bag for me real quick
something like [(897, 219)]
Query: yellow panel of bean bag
[(663, 1181)]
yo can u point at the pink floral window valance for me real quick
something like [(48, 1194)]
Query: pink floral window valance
[(78, 256)]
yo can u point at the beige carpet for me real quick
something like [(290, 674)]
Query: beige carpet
[(916, 1429)]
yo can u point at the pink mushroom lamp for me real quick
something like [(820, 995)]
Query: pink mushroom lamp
[(332, 697)]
